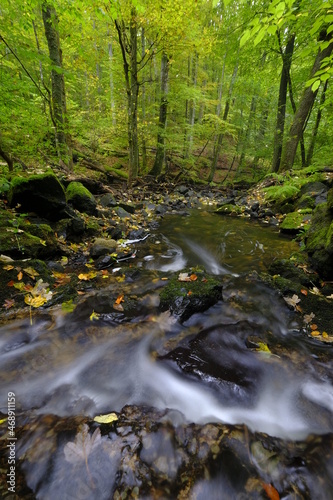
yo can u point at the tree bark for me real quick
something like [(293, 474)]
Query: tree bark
[(58, 107), (316, 126), (132, 89), (282, 100), (160, 149), (302, 113), (221, 134)]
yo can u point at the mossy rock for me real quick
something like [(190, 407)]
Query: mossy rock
[(81, 198), (184, 298), (40, 193), (294, 223), (39, 242), (319, 241), (230, 209), (306, 202), (330, 200), (282, 198)]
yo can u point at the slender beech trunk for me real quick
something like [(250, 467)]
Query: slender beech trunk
[(143, 103), (248, 129), (302, 113), (282, 100), (316, 126), (160, 150), (225, 116), (112, 101), (50, 21), (191, 117), (130, 65)]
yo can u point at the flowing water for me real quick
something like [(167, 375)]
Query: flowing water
[(204, 370)]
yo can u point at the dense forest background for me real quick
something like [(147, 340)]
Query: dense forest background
[(219, 89)]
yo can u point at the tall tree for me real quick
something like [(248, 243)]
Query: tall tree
[(59, 117), (160, 150), (304, 108)]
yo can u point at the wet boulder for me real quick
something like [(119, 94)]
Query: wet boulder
[(189, 293), (220, 359), (81, 198), (41, 193)]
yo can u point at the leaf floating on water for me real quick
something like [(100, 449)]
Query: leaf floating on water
[(106, 419), (271, 492), (262, 347), (292, 301), (84, 444), (93, 316)]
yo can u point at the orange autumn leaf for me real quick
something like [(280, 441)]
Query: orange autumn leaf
[(10, 283), (315, 333), (189, 292), (314, 327), (271, 492), (9, 267), (119, 299), (304, 292), (20, 276), (193, 277)]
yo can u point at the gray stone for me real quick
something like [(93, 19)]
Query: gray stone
[(102, 246)]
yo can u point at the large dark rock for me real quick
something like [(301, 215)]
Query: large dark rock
[(220, 358), (41, 193), (80, 198)]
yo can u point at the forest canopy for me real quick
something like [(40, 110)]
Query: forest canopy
[(216, 88)]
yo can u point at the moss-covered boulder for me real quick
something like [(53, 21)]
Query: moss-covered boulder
[(184, 298), (102, 246), (295, 222), (319, 241), (21, 238), (41, 193), (230, 209), (330, 200), (81, 198)]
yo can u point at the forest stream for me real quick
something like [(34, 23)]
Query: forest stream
[(235, 402)]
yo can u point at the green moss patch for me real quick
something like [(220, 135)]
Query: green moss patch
[(184, 298)]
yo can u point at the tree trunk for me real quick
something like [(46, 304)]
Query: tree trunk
[(112, 101), (248, 128), (221, 134), (316, 126), (132, 89), (281, 108), (143, 105), (58, 107), (160, 150), (8, 159), (304, 110)]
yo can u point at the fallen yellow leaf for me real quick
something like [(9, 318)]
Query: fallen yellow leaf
[(106, 419), (315, 333)]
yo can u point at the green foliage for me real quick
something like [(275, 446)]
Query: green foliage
[(281, 193)]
